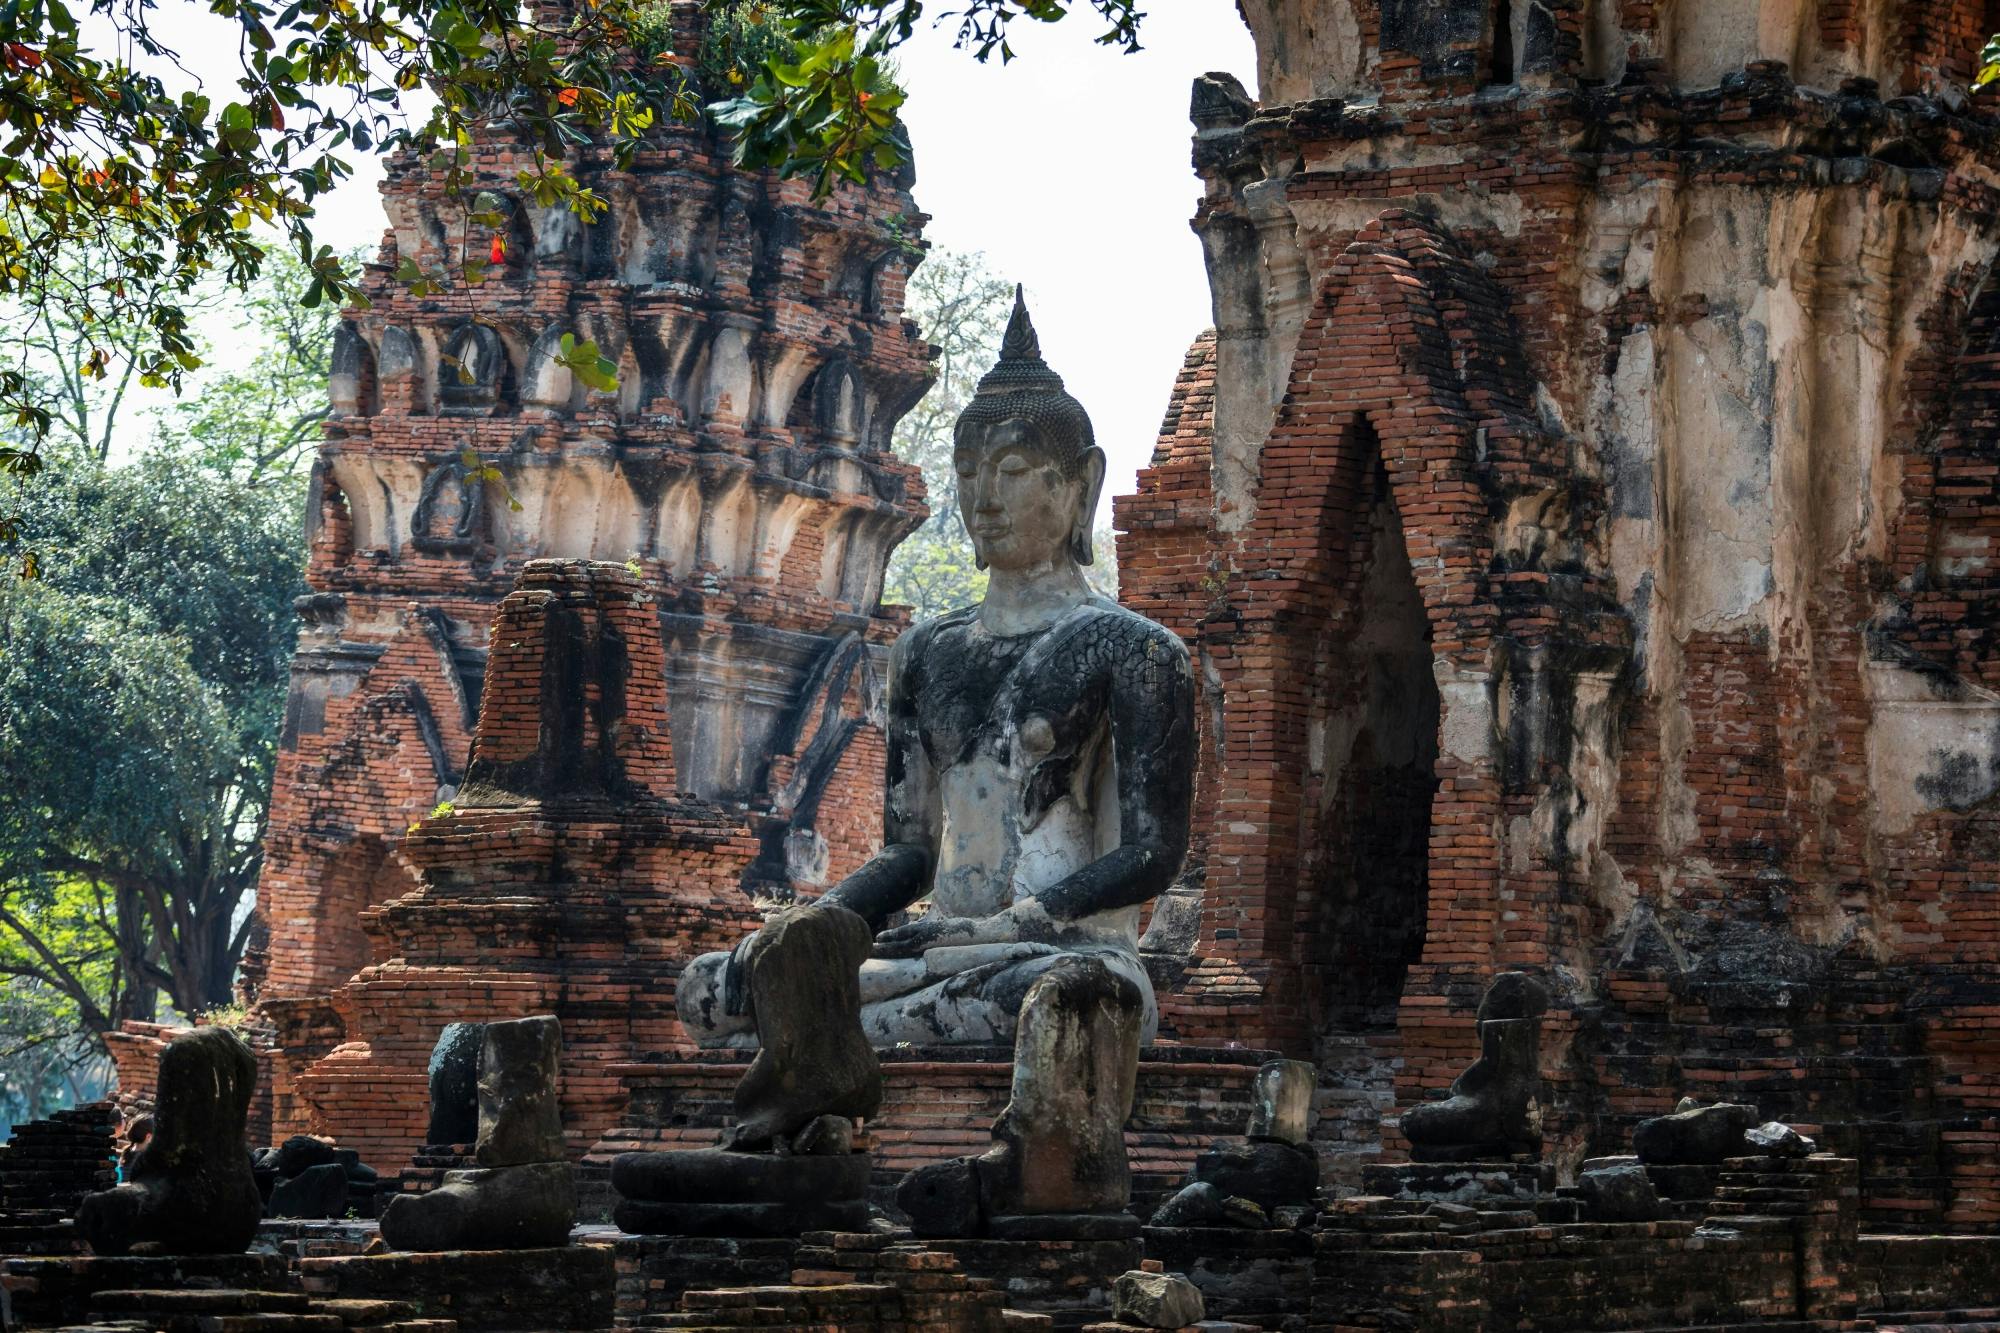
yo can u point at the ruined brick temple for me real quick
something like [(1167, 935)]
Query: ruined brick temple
[(1584, 520), (1583, 514), (740, 470)]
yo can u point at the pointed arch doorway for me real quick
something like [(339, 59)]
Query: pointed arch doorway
[(1373, 753)]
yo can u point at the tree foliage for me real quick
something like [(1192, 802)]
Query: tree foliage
[(47, 1058), (142, 681), (831, 113)]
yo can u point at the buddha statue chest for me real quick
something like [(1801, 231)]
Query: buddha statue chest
[(1016, 730)]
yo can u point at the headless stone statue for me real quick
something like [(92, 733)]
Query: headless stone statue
[(789, 1164), (1040, 762), (522, 1193), (191, 1190), (1494, 1110)]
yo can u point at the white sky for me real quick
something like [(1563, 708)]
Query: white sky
[(1069, 168)]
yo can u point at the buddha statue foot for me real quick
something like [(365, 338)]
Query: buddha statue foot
[(1494, 1109), (812, 1059), (1059, 1146)]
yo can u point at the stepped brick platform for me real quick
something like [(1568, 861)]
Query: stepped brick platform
[(40, 1233), (227, 1311), (426, 1169), (1926, 1273), (49, 1292), (654, 1271), (1069, 1281), (940, 1102), (1205, 1326), (490, 1291), (1778, 1244), (51, 1164), (1259, 1278), (843, 1281)]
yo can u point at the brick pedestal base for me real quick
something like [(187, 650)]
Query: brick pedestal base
[(47, 1293), (1070, 1281), (490, 1290), (938, 1103), (1260, 1278), (654, 1272)]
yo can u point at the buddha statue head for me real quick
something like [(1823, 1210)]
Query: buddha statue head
[(1029, 469)]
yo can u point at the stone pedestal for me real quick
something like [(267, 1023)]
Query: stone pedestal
[(297, 1239), (939, 1103), (1462, 1182), (495, 1291), (720, 1192)]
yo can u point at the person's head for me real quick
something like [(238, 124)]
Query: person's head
[(1029, 469)]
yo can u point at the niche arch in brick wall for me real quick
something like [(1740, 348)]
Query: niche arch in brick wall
[(1409, 421)]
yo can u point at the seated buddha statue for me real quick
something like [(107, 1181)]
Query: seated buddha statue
[(1040, 755)]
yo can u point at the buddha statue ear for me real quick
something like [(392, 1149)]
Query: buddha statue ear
[(1091, 469)]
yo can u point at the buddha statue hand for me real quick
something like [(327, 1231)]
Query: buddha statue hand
[(1026, 919)]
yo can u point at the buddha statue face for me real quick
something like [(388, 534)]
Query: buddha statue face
[(1023, 508), (1029, 470)]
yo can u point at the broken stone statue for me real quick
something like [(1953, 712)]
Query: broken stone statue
[(1039, 776), (1494, 1108), (788, 1165), (1695, 1134), (1057, 1168), (191, 1189), (1273, 1174), (454, 1083), (522, 1193)]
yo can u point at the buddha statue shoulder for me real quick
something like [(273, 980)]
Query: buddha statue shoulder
[(1041, 753)]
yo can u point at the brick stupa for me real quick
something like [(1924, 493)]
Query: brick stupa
[(568, 877)]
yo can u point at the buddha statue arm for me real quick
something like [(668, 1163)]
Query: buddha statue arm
[(1152, 739), (900, 873)]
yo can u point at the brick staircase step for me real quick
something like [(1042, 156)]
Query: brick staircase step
[(361, 1313), (263, 1323), (220, 1300)]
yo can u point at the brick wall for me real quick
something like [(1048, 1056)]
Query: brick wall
[(1666, 352)]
